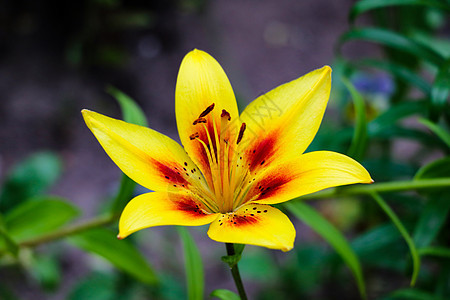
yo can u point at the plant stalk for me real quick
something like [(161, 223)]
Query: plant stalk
[(235, 273)]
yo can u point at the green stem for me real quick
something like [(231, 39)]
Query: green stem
[(396, 186), (235, 273), (70, 230)]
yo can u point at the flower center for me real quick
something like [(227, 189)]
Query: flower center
[(219, 141)]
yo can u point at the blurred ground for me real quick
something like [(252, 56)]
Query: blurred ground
[(45, 79)]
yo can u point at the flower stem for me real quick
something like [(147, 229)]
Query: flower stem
[(70, 230), (235, 272), (383, 187)]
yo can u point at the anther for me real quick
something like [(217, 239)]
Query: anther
[(225, 114), (207, 111), (241, 133), (194, 136), (199, 120)]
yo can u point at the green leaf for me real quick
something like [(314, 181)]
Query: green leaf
[(393, 40), (379, 247), (38, 216), (225, 295), (132, 113), (46, 270), (398, 71), (193, 265), (435, 251), (431, 220), (31, 177), (409, 241), (413, 294), (98, 286), (334, 237), (359, 140), (440, 92), (436, 129), (436, 169), (6, 242), (365, 5), (434, 215), (124, 194), (396, 113), (120, 253)]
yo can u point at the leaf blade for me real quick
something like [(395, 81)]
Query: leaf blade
[(327, 231), (409, 241), (38, 216), (121, 253), (193, 265), (393, 40), (363, 6), (359, 139)]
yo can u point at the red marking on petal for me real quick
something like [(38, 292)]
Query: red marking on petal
[(189, 206), (170, 173), (262, 150), (269, 186), (244, 220)]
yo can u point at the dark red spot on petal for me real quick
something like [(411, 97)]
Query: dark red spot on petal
[(170, 173), (264, 149), (244, 220), (189, 206)]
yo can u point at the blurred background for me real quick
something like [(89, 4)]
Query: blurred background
[(58, 57)]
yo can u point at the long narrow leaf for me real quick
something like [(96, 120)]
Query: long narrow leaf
[(436, 129), (440, 91), (334, 237), (413, 294), (365, 5), (121, 254), (393, 40), (359, 140), (412, 248), (435, 251), (193, 266), (132, 113), (431, 220), (223, 294)]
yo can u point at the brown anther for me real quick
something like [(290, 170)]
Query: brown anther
[(194, 136), (241, 133), (207, 111), (225, 114), (199, 120)]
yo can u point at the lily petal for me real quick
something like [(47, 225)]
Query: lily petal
[(148, 157), (203, 84), (255, 224), (161, 208), (283, 122), (309, 173)]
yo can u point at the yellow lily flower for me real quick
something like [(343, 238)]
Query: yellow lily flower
[(232, 166)]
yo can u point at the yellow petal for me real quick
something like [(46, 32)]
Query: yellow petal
[(161, 208), (201, 83), (148, 157), (309, 173), (254, 224), (283, 122)]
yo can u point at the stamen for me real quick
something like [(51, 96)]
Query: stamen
[(199, 120), (207, 111), (241, 133), (225, 114), (194, 136)]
